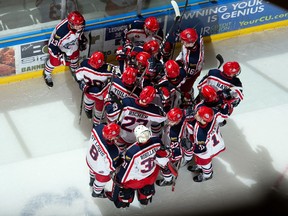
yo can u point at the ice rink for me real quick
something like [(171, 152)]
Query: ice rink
[(42, 146)]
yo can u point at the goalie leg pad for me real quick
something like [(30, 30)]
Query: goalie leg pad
[(122, 197), (145, 194)]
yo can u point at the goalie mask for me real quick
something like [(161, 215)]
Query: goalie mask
[(142, 133)]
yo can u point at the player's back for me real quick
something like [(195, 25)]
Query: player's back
[(141, 163), (134, 114)]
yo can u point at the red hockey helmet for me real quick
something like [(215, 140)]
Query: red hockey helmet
[(142, 59), (151, 24), (76, 20), (96, 60), (206, 113), (111, 131), (129, 76), (172, 69), (147, 94), (231, 68), (209, 94), (151, 47), (175, 115), (188, 37)]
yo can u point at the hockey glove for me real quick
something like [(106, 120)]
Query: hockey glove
[(120, 54), (83, 86), (227, 94), (200, 148), (83, 43)]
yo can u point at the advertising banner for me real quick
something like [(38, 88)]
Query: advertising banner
[(7, 61), (211, 19), (31, 56), (233, 16)]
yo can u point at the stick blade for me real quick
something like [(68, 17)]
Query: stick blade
[(176, 8), (219, 57)]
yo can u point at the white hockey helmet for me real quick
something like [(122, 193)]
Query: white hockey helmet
[(142, 133)]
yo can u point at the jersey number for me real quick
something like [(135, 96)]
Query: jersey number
[(131, 121), (148, 164), (93, 152)]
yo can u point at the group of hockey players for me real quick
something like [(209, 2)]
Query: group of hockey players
[(146, 121)]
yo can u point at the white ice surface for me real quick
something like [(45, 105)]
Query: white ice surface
[(42, 146)]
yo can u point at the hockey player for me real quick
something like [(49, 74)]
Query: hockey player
[(141, 61), (102, 156), (226, 81), (169, 85), (139, 170), (207, 142), (125, 86), (132, 112), (141, 31), (174, 132), (65, 42), (93, 76), (190, 59), (155, 68), (215, 100)]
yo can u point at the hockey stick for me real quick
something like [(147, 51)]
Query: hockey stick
[(82, 96), (179, 27), (176, 19), (139, 8), (137, 82), (220, 59), (175, 178), (109, 68)]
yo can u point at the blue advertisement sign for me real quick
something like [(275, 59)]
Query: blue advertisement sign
[(232, 16)]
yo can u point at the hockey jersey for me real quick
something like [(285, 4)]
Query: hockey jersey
[(172, 138), (135, 35), (130, 114), (123, 91), (192, 58), (208, 135), (220, 81), (64, 40), (102, 157), (139, 167)]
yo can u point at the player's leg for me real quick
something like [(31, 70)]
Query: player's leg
[(145, 194)]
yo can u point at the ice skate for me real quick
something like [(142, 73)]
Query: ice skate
[(100, 195), (201, 178), (48, 79), (194, 168), (163, 182)]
